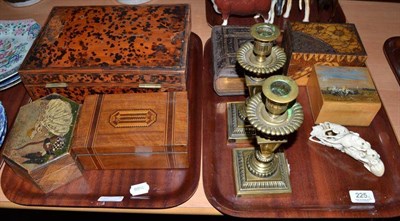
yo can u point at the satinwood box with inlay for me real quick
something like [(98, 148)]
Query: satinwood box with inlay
[(133, 131), (83, 50)]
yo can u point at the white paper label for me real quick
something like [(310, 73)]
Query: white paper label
[(110, 198), (362, 196), (133, 2), (139, 189)]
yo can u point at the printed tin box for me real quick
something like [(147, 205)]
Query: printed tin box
[(38, 144)]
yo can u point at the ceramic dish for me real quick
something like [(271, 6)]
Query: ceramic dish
[(9, 82), (3, 124), (21, 3), (16, 38)]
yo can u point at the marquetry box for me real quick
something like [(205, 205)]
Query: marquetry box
[(133, 131), (84, 50), (334, 44), (37, 146), (343, 95)]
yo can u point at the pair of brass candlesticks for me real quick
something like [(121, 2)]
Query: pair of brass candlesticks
[(269, 115)]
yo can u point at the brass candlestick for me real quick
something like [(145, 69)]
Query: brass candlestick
[(260, 58), (272, 112), (275, 115)]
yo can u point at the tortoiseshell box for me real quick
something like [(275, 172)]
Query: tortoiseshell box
[(84, 50), (331, 44)]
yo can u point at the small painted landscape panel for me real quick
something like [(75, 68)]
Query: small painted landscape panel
[(342, 94), (346, 84)]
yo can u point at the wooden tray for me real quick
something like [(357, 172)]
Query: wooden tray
[(168, 187), (12, 98), (332, 15), (321, 177), (391, 47)]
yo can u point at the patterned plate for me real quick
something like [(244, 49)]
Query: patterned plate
[(16, 38), (21, 3), (3, 124), (9, 81)]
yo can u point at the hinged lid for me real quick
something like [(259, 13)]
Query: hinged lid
[(325, 38), (132, 123), (112, 37)]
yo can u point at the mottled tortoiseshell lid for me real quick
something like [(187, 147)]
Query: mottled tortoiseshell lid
[(99, 46)]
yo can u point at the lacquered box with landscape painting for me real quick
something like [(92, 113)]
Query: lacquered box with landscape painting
[(343, 95)]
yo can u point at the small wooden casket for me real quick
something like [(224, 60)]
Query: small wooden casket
[(133, 131), (38, 144), (331, 44), (343, 95), (84, 50)]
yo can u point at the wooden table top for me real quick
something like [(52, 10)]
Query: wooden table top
[(375, 22)]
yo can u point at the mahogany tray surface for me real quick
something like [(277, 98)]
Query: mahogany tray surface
[(333, 14), (391, 47), (321, 177), (11, 99), (168, 187)]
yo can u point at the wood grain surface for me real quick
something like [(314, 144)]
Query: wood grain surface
[(133, 131), (168, 187), (391, 47), (321, 177)]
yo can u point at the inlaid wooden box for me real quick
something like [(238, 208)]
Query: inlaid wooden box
[(333, 44), (83, 50), (343, 95), (133, 131), (38, 144)]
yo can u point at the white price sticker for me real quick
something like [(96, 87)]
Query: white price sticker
[(139, 189), (110, 199), (362, 196)]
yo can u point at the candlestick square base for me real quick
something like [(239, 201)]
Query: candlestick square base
[(249, 184), (238, 129)]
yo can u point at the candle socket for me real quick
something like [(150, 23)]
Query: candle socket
[(271, 109)]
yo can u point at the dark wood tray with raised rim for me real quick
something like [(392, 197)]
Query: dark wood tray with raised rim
[(168, 187), (321, 177), (325, 14), (391, 47)]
